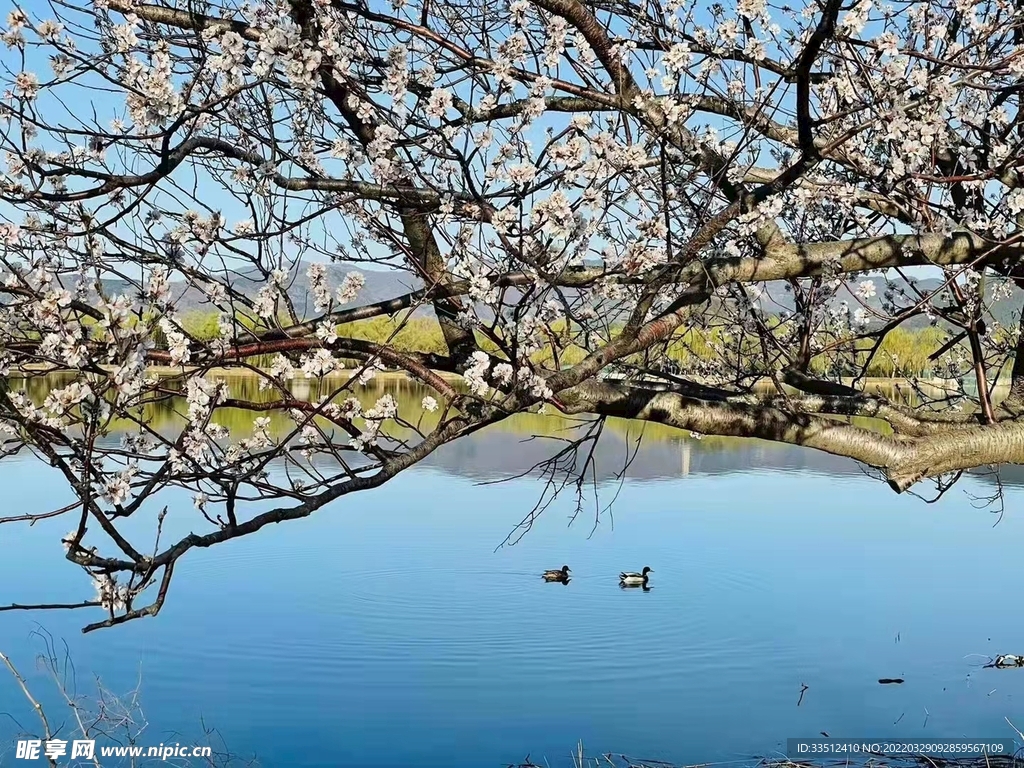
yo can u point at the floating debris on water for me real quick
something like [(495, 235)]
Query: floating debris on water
[(803, 689), (1004, 660)]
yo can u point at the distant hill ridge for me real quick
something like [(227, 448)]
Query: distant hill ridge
[(381, 285)]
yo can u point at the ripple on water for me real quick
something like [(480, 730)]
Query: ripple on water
[(421, 617)]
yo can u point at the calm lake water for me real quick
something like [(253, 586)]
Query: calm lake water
[(388, 630)]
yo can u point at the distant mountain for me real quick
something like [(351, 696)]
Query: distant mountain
[(387, 284), (1006, 311), (380, 285)]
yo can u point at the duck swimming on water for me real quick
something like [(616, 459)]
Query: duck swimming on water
[(633, 579), (561, 574)]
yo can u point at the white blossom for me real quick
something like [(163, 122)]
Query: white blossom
[(677, 58), (318, 363), (111, 596), (118, 488), (502, 373), (157, 289), (350, 287), (26, 84), (265, 303), (317, 275), (555, 215), (439, 103), (474, 374), (177, 343)]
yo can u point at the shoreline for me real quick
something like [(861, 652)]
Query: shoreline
[(167, 371)]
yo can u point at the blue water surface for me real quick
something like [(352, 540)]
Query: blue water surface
[(388, 630)]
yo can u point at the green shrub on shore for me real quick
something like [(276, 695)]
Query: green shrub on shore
[(902, 353)]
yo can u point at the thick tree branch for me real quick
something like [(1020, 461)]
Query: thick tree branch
[(905, 460)]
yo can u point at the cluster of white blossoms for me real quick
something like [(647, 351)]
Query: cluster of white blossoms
[(177, 342), (26, 85), (396, 82), (205, 229), (475, 372), (261, 437), (385, 408), (350, 409), (502, 374), (677, 58), (201, 395), (215, 293), (350, 287), (111, 595), (640, 258), (327, 332), (14, 36), (59, 402), (555, 215), (281, 370), (317, 275), (153, 99), (118, 488), (319, 362), (554, 46), (229, 61), (123, 35), (158, 289), (265, 302), (481, 289), (866, 289), (65, 345), (369, 370), (138, 442), (282, 45), (857, 320), (439, 103)]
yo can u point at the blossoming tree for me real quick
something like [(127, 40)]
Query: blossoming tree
[(580, 188)]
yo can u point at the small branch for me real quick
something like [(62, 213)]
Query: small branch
[(49, 606)]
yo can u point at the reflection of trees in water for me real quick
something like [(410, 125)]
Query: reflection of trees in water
[(506, 448), (168, 415)]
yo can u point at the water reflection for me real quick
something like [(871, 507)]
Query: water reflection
[(514, 446), (389, 629)]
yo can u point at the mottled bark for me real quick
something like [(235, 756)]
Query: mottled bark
[(1014, 402), (905, 459)]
